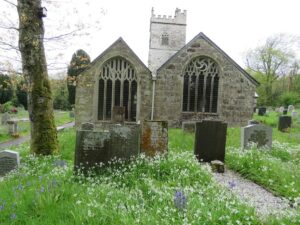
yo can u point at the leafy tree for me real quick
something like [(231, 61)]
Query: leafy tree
[(270, 61), (6, 89), (34, 66), (79, 62)]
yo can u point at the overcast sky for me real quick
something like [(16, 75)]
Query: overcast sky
[(234, 25)]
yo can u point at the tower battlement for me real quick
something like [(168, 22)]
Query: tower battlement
[(178, 18)]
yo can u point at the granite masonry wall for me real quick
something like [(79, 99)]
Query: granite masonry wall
[(235, 94), (86, 105)]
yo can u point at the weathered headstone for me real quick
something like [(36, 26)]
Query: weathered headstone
[(210, 140), (154, 137), (291, 108), (118, 115), (71, 114), (262, 111), (284, 123), (9, 160), (294, 114), (12, 127), (250, 122), (281, 109), (5, 117), (188, 126), (258, 134), (99, 146)]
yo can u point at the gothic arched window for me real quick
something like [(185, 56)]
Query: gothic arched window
[(164, 39), (200, 86), (117, 87)]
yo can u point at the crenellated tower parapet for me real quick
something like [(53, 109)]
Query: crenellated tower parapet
[(178, 18), (167, 36)]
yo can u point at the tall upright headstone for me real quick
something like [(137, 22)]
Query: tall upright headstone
[(210, 140), (154, 137), (259, 134), (9, 160), (284, 122)]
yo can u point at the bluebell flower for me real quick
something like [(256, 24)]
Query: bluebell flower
[(13, 216), (231, 184), (42, 189), (2, 206), (180, 200)]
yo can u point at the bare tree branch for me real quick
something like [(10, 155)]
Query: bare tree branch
[(9, 2), (9, 28)]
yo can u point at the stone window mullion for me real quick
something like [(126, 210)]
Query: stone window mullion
[(189, 93), (104, 99), (196, 93), (211, 93)]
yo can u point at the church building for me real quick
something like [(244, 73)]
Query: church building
[(183, 82)]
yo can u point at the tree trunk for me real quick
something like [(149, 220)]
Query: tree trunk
[(40, 104)]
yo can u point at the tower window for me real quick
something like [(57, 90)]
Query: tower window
[(117, 87), (165, 39), (200, 86)]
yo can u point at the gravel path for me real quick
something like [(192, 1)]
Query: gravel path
[(261, 199), (21, 140)]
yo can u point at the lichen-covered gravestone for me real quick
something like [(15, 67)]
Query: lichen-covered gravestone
[(294, 114), (99, 145), (9, 160), (210, 140), (154, 137), (259, 134)]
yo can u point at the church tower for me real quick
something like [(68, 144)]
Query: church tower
[(167, 36)]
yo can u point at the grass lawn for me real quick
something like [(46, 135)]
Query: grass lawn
[(61, 117), (163, 190)]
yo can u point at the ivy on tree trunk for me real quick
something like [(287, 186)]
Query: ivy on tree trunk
[(40, 103)]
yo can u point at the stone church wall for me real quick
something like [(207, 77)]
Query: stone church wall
[(235, 96)]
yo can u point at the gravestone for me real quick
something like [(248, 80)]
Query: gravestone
[(12, 127), (5, 117), (154, 137), (210, 140), (258, 134), (284, 123), (281, 109), (71, 114), (9, 160), (99, 145), (294, 114), (285, 111), (118, 115), (291, 108), (188, 126), (250, 122), (262, 111)]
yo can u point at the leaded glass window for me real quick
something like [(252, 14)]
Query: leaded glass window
[(200, 86), (117, 87)]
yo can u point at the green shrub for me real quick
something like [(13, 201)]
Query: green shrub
[(289, 98), (6, 89)]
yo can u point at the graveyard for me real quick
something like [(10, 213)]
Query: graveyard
[(191, 136), (23, 125), (161, 189)]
